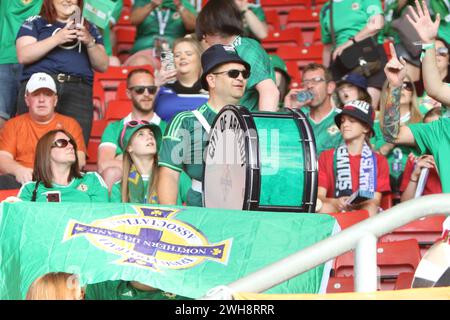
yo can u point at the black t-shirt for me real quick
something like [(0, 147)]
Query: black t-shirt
[(180, 89)]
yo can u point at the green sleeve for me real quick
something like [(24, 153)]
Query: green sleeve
[(428, 136), (116, 192), (98, 190), (171, 154), (111, 135), (188, 5), (184, 185), (261, 65), (325, 24), (26, 191)]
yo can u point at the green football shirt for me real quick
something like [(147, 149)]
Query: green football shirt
[(434, 138), (165, 23), (13, 13), (89, 188), (123, 290), (183, 147), (261, 69), (184, 185), (349, 17), (326, 132), (111, 134)]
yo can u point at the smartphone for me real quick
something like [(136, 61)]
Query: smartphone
[(75, 17)]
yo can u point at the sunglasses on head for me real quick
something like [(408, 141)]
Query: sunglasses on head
[(234, 73), (62, 143), (131, 124), (407, 86), (141, 89)]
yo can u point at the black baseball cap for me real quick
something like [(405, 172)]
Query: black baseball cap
[(217, 55), (359, 110)]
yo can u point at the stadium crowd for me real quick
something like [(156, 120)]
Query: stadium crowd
[(377, 125)]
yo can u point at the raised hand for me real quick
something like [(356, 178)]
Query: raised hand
[(422, 22), (395, 69)]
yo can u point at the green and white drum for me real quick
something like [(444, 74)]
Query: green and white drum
[(260, 161)]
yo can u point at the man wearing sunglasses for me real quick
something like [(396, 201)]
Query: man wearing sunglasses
[(20, 135), (225, 76), (319, 110), (141, 90)]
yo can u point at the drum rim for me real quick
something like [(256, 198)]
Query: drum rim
[(252, 171)]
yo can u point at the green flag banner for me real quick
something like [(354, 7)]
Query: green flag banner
[(98, 12), (183, 250)]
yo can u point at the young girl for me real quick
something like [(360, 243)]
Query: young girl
[(140, 141), (353, 166)]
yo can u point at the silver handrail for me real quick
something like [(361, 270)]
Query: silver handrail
[(359, 236)]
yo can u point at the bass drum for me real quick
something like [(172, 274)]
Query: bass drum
[(260, 161)]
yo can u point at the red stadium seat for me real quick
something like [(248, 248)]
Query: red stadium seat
[(124, 19), (122, 92), (425, 230), (302, 55), (283, 6), (98, 126), (125, 37), (272, 19), (317, 37), (98, 97), (289, 37), (392, 259), (404, 281), (347, 219), (8, 193), (294, 72), (303, 18), (340, 284), (118, 109)]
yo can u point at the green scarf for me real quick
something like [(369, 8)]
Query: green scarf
[(138, 188)]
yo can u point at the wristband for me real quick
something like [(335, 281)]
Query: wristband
[(426, 46)]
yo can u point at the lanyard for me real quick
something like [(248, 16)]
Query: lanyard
[(162, 21)]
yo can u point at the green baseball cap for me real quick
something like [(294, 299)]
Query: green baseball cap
[(134, 126), (280, 65)]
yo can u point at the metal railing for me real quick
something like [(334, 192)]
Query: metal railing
[(362, 237)]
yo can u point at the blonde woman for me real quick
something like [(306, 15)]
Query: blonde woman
[(56, 286), (397, 155)]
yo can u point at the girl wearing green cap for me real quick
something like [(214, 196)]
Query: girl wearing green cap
[(139, 140)]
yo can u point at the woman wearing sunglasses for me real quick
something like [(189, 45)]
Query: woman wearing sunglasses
[(397, 156), (140, 141), (56, 176)]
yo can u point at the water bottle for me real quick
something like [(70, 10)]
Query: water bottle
[(304, 95)]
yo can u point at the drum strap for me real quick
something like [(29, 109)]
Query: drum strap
[(202, 120)]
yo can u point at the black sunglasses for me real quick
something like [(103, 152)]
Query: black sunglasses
[(62, 143), (407, 86), (141, 89), (234, 73)]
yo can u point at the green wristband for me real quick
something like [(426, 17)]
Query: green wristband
[(426, 46)]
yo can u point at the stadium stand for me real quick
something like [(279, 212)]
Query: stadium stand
[(8, 193), (118, 109), (301, 55), (98, 126), (288, 37), (340, 284)]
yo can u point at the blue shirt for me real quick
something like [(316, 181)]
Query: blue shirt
[(168, 103), (58, 60)]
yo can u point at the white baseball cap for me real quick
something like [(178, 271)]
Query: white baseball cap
[(40, 80)]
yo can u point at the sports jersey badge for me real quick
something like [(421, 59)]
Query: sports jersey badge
[(150, 238), (355, 6), (333, 130), (176, 16), (82, 187)]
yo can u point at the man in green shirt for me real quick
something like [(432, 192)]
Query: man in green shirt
[(142, 91), (319, 110), (12, 15), (224, 76), (220, 22)]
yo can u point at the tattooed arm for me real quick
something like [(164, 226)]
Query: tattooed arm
[(395, 71)]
